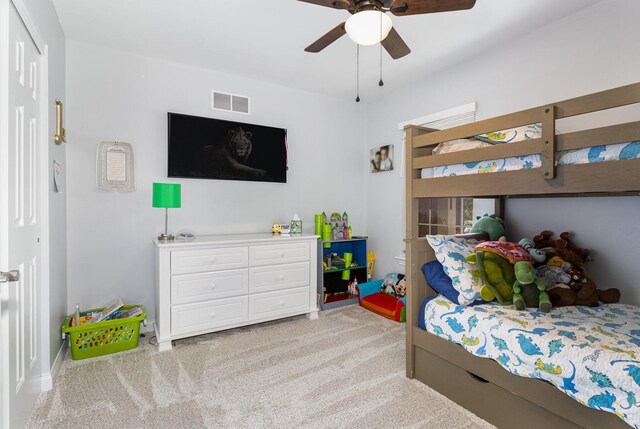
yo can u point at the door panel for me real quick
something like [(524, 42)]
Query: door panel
[(19, 225)]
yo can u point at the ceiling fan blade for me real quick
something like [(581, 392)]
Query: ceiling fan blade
[(334, 4), (416, 7), (395, 46), (327, 39)]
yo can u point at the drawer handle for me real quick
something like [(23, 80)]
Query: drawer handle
[(213, 286), (281, 303), (213, 261), (281, 254), (477, 377), (212, 315), (281, 277)]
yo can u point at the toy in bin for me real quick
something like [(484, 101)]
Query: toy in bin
[(103, 331)]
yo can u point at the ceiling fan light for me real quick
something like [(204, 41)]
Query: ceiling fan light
[(368, 27)]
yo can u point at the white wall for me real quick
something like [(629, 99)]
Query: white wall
[(46, 20), (118, 96), (592, 50)]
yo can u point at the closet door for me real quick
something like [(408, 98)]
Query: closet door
[(20, 221)]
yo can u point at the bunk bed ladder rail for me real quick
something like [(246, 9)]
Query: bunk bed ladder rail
[(415, 249), (548, 151)]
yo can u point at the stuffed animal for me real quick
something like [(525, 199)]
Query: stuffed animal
[(557, 262), (581, 289), (551, 275), (544, 241), (528, 291), (496, 274), (491, 225), (538, 255), (512, 252), (495, 260)]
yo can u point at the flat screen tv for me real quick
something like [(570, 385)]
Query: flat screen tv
[(206, 148)]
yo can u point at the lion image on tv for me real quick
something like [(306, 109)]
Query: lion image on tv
[(229, 161)]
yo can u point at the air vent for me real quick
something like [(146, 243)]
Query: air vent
[(229, 102)]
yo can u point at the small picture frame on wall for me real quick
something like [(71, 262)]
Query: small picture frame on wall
[(381, 159), (114, 170)]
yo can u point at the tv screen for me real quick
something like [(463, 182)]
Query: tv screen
[(206, 148)]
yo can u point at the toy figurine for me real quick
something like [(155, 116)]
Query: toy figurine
[(296, 224), (371, 258)]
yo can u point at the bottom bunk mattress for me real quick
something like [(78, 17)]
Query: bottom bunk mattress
[(614, 152), (591, 354)]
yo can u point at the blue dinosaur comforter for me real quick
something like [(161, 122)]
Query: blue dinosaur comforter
[(591, 354), (590, 155)]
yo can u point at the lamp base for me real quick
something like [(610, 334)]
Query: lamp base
[(166, 237)]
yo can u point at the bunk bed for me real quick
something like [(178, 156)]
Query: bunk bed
[(479, 384)]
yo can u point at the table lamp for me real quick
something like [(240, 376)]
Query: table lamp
[(166, 196)]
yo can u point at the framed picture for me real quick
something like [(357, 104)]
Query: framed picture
[(208, 148), (381, 159)]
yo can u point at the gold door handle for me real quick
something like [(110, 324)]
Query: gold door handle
[(61, 132)]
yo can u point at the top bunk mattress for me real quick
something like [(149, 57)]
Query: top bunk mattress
[(614, 152), (591, 354)]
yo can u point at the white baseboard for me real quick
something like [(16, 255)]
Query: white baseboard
[(47, 380)]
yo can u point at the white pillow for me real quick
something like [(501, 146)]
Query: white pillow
[(459, 145), (451, 252)]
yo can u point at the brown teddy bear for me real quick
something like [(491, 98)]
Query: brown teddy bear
[(581, 290), (544, 240)]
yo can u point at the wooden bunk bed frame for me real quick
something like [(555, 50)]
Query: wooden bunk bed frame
[(479, 384)]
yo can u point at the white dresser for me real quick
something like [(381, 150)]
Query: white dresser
[(220, 282)]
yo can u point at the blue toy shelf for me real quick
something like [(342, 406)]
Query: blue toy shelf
[(332, 289)]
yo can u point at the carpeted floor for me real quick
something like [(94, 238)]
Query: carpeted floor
[(344, 370)]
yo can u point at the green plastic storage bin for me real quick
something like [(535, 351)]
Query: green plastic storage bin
[(103, 338)]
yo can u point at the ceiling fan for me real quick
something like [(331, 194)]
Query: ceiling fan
[(369, 24)]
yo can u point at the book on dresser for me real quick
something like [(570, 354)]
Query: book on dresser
[(218, 282)]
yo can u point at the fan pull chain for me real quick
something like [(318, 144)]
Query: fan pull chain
[(357, 73), (381, 83)]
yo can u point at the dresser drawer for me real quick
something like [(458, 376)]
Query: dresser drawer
[(197, 261), (278, 254), (190, 318), (280, 303), (204, 287), (265, 279)]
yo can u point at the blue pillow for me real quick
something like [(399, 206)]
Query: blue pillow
[(439, 281)]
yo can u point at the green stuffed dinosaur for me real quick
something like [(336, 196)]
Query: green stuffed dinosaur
[(497, 276), (491, 225), (528, 291)]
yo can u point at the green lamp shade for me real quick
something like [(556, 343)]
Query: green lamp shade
[(166, 195)]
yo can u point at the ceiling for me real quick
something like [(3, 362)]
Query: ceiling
[(266, 39)]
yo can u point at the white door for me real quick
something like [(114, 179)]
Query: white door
[(19, 225)]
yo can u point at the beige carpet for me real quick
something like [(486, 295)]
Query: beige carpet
[(344, 370)]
